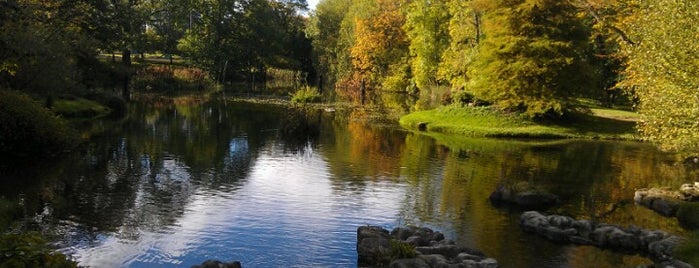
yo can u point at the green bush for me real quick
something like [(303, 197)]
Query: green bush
[(688, 215), (30, 250), (28, 129), (306, 94), (687, 251)]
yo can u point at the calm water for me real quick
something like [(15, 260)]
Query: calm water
[(183, 180)]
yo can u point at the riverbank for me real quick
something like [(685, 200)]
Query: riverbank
[(601, 123)]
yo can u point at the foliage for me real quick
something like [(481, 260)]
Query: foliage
[(28, 129), (9, 212), (306, 94), (663, 70), (323, 29), (42, 44), (29, 250), (687, 251), (246, 37), (426, 26), (171, 78), (530, 60), (688, 215), (400, 250), (381, 45), (464, 27)]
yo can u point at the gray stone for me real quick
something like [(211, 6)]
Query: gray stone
[(658, 245), (374, 248), (218, 264), (409, 263)]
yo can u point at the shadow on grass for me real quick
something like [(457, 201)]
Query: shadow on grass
[(596, 126)]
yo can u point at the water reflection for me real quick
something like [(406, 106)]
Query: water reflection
[(184, 180)]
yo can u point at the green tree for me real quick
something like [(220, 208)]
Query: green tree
[(464, 28), (427, 28), (532, 59), (42, 44), (324, 31), (663, 70)]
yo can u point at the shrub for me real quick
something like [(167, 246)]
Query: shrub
[(688, 215), (30, 250), (164, 78), (687, 251), (306, 94), (28, 129)]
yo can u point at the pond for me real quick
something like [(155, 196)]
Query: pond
[(179, 181)]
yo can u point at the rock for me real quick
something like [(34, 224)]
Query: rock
[(658, 245), (409, 263), (666, 201), (523, 196), (690, 192), (422, 126), (373, 244), (218, 264), (431, 249)]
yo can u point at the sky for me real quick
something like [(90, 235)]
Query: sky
[(312, 3)]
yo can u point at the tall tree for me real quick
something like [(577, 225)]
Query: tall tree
[(427, 27), (324, 31), (532, 59), (380, 48), (464, 26), (663, 70)]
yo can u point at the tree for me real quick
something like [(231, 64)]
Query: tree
[(663, 70), (532, 59), (379, 52), (427, 28), (42, 44), (464, 28), (324, 31)]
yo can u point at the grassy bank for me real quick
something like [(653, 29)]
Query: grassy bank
[(489, 122)]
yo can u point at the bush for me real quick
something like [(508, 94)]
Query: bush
[(688, 215), (30, 250), (28, 129), (687, 251), (167, 78), (306, 94)]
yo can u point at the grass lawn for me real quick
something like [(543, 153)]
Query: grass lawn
[(489, 122)]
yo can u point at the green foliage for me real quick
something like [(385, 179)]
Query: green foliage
[(530, 60), (30, 250), (400, 250), (465, 31), (663, 71), (306, 94), (28, 129), (324, 31), (687, 251), (688, 215), (427, 29), (9, 212)]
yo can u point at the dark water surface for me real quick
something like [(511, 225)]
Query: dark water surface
[(183, 180)]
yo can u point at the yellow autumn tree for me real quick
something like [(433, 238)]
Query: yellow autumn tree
[(380, 51)]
